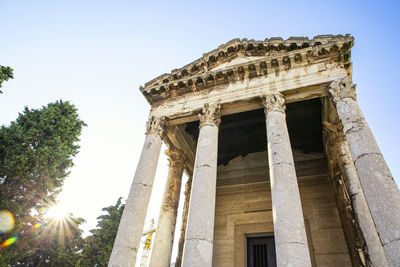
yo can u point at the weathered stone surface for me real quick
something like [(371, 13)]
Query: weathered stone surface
[(200, 226), (130, 229), (362, 213), (380, 190), (185, 108), (290, 235), (239, 60), (188, 189), (210, 115), (156, 125), (163, 241), (237, 73), (246, 210)]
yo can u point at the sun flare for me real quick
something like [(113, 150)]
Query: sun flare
[(57, 212)]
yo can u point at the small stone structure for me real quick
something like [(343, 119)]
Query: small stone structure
[(276, 148)]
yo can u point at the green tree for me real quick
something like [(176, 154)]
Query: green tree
[(36, 153), (5, 74), (98, 246), (56, 242)]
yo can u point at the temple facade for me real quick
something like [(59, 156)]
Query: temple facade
[(283, 168)]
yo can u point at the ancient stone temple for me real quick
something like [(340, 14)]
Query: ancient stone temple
[(283, 168)]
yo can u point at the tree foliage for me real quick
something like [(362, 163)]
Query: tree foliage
[(36, 153), (98, 246), (5, 74), (56, 242)]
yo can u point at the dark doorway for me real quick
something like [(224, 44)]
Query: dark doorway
[(261, 252)]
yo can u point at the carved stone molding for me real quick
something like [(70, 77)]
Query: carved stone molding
[(211, 114), (334, 132), (156, 125), (337, 140), (342, 88), (268, 57), (274, 102), (175, 157)]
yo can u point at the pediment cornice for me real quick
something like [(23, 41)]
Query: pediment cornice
[(248, 59)]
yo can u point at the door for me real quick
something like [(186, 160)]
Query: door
[(261, 252)]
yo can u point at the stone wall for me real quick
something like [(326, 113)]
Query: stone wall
[(244, 208)]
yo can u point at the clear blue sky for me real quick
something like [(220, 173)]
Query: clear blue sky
[(97, 53)]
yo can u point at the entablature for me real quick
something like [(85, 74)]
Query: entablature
[(246, 60), (296, 85)]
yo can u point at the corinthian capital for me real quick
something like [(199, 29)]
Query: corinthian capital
[(342, 88), (175, 156), (156, 125), (274, 102), (211, 114)]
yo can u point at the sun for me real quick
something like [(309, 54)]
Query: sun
[(57, 212)]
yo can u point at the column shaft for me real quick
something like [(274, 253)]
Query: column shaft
[(188, 189), (198, 248), (362, 213), (289, 231), (162, 249), (130, 229), (380, 190)]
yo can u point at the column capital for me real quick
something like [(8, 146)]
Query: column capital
[(175, 156), (156, 125), (274, 102), (211, 114), (342, 88)]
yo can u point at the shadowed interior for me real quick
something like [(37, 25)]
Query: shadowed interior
[(244, 133)]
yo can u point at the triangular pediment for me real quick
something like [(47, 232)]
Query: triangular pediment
[(247, 59)]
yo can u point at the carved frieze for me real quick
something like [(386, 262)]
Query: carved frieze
[(342, 88), (274, 102), (210, 114), (156, 125)]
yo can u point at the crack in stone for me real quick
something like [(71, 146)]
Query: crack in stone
[(356, 126), (296, 243), (391, 241), (138, 183), (122, 246), (149, 145), (366, 154), (205, 165), (199, 238), (354, 194), (283, 162)]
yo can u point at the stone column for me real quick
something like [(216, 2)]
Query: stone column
[(362, 213), (130, 229), (162, 249), (188, 189), (198, 248), (381, 192), (289, 232)]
